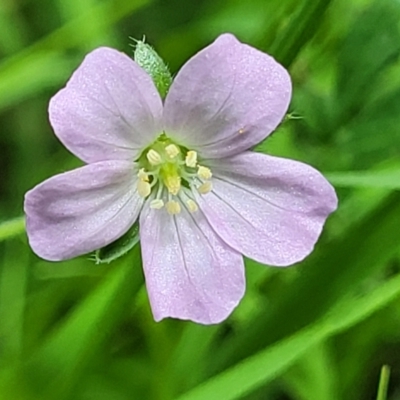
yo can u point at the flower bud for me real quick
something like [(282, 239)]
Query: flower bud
[(153, 64)]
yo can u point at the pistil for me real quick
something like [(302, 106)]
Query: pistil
[(165, 165)]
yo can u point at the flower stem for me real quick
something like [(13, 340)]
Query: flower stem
[(11, 228)]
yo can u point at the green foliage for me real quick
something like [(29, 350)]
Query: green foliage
[(263, 367), (318, 331), (358, 75), (60, 362), (387, 179)]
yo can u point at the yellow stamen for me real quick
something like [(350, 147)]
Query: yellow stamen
[(173, 207), (204, 172), (191, 159), (153, 157), (173, 184), (192, 205), (143, 188), (205, 188), (142, 175), (157, 204), (172, 151)]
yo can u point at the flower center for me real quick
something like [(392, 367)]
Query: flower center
[(171, 172)]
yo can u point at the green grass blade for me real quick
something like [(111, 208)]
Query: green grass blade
[(383, 383), (11, 228), (374, 179), (299, 31), (267, 364), (14, 273), (327, 275), (56, 368), (43, 64), (92, 27)]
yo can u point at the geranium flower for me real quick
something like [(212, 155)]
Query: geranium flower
[(184, 169)]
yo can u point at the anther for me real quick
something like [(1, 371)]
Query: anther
[(173, 207), (153, 157), (142, 175), (191, 159), (192, 205), (173, 184), (205, 188), (172, 151), (157, 204), (143, 188), (204, 172)]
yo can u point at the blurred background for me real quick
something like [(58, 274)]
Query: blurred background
[(320, 330)]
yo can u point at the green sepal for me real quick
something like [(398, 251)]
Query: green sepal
[(153, 64), (118, 248), (292, 115)]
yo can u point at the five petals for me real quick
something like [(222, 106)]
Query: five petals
[(224, 100)]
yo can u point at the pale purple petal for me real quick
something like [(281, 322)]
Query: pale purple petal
[(270, 209), (226, 99), (110, 108), (190, 272), (82, 210)]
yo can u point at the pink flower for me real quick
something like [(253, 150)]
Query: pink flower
[(183, 167)]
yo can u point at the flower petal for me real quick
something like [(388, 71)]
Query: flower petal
[(110, 108), (82, 210), (190, 272), (270, 209), (226, 99)]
